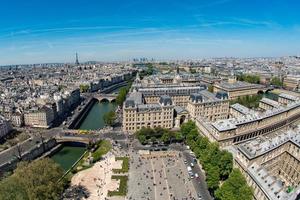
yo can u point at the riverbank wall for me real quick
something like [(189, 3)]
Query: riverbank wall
[(75, 124), (31, 154), (113, 87)]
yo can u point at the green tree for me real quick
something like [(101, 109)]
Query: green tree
[(248, 101), (276, 82), (84, 88), (153, 139), (11, 189), (249, 78), (147, 132), (178, 136), (36, 180), (193, 71), (211, 155), (150, 69), (212, 177), (109, 118), (202, 142), (165, 138), (142, 139), (122, 96), (192, 135), (187, 127), (234, 188), (225, 164)]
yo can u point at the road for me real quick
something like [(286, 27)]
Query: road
[(199, 183), (15, 151)]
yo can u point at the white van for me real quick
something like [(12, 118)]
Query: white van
[(192, 164)]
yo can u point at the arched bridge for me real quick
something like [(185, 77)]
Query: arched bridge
[(63, 139), (266, 89), (75, 138), (81, 136), (105, 97)]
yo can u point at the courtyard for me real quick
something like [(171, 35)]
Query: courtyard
[(160, 175)]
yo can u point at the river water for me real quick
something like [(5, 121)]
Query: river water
[(68, 155), (94, 119)]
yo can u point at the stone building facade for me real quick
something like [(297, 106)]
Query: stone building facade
[(248, 123), (5, 127), (271, 165), (236, 89), (41, 117), (169, 105)]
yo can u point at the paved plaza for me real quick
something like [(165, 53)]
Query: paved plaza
[(159, 178), (97, 179)]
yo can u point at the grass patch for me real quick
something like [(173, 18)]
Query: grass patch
[(248, 101), (125, 165), (122, 191), (104, 146), (101, 148)]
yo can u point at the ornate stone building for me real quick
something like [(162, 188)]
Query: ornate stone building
[(271, 165), (5, 127), (245, 123), (236, 89), (169, 105)]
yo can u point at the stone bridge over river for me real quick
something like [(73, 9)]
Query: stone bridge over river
[(105, 97)]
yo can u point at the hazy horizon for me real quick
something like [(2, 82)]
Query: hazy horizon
[(52, 31)]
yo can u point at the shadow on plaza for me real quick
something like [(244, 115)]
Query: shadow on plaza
[(76, 192)]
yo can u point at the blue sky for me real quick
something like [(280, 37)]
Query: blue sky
[(33, 31)]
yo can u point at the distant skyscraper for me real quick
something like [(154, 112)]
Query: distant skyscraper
[(76, 62)]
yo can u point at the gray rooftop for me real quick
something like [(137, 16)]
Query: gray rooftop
[(287, 96), (272, 187), (261, 145), (243, 109), (238, 85), (234, 122), (270, 102)]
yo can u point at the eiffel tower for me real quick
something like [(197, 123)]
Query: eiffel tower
[(76, 62)]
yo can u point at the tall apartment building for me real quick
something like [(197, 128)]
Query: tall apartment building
[(72, 97), (5, 127), (41, 117)]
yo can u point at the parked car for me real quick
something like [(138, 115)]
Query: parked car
[(199, 196)]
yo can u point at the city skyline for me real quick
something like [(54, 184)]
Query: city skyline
[(105, 31)]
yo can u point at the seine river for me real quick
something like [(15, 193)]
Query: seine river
[(68, 155), (94, 119)]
